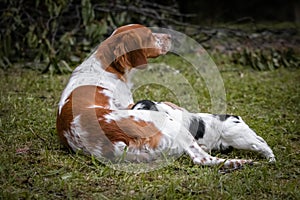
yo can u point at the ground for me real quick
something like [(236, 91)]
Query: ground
[(34, 165)]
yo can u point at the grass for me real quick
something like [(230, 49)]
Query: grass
[(34, 166)]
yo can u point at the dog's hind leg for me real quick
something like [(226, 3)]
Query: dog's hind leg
[(237, 134), (250, 142), (200, 157)]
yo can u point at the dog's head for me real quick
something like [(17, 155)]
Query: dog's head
[(129, 47), (145, 105)]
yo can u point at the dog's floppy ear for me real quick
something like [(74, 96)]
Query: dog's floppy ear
[(138, 58), (128, 51), (121, 61)]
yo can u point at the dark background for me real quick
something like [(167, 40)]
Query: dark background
[(232, 10), (58, 34)]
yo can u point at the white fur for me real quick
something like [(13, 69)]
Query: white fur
[(76, 136), (217, 133)]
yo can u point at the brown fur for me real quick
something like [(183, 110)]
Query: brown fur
[(131, 132), (114, 54)]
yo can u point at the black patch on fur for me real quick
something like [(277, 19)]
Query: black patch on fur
[(197, 128), (224, 117), (225, 150), (145, 105)]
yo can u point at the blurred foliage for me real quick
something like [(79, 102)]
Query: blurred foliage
[(261, 46), (266, 59), (56, 35), (59, 33)]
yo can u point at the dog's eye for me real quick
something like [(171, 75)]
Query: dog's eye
[(236, 122)]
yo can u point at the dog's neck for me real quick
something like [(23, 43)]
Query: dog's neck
[(92, 72)]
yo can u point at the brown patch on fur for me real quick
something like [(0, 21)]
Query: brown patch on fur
[(238, 164), (77, 104), (63, 121), (203, 160), (133, 133)]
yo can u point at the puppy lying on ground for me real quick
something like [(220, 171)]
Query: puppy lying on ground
[(213, 131)]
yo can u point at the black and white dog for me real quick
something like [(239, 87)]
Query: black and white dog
[(213, 131)]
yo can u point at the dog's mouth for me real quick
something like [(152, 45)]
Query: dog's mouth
[(163, 42)]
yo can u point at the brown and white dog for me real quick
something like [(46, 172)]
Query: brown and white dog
[(95, 115)]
